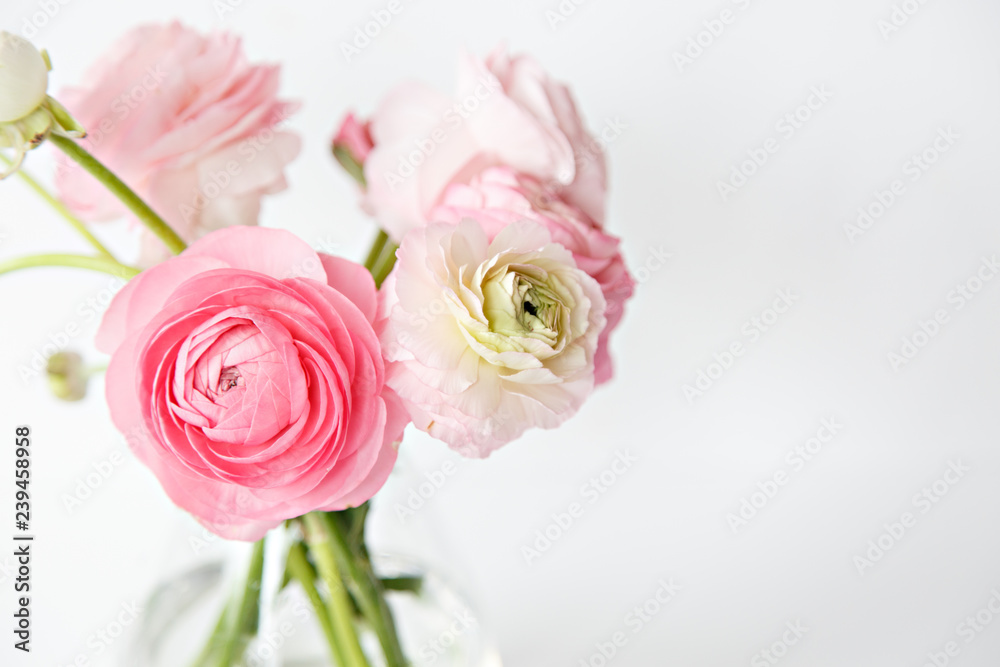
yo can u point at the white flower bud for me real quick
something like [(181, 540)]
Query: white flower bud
[(24, 77)]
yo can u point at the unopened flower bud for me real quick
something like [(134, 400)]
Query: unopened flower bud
[(24, 77), (67, 376)]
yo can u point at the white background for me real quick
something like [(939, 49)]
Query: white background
[(697, 460)]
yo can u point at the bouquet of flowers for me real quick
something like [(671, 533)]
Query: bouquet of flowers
[(267, 385)]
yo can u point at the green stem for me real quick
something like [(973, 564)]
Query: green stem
[(214, 639), (148, 216), (387, 260), (96, 369), (76, 261), (301, 570), (376, 251), (413, 584), (249, 606), (322, 548), (354, 167), (368, 592), (61, 209)]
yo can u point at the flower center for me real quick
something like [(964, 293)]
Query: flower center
[(518, 306), (229, 378)]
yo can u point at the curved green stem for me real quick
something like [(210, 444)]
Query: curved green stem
[(141, 209), (101, 264), (61, 209)]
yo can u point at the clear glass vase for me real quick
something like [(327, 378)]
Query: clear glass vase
[(436, 626)]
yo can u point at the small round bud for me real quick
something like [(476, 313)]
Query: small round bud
[(67, 376)]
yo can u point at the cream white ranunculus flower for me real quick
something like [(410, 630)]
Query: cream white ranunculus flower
[(489, 330), (24, 77)]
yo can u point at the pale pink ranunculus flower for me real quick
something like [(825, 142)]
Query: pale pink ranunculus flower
[(186, 122), (506, 111), (247, 375), (500, 196), (488, 335)]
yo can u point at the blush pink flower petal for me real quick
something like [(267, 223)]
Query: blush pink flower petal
[(506, 111)]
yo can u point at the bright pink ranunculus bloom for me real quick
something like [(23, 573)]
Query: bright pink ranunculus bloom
[(247, 375)]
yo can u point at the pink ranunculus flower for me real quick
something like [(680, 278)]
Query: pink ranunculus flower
[(501, 196), (487, 334), (188, 123), (506, 111), (250, 366)]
